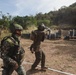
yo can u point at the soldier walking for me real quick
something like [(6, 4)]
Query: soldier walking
[(38, 36), (13, 53)]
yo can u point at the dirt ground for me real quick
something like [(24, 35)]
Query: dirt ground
[(60, 55)]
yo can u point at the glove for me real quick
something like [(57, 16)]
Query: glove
[(31, 49)]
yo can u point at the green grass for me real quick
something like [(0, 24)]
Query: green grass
[(4, 33)]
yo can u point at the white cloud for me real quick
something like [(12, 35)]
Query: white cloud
[(45, 6), (24, 6), (27, 7), (48, 5)]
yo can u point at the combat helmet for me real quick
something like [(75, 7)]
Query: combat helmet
[(14, 27), (41, 27)]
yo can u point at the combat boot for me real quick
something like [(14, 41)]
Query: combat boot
[(43, 68)]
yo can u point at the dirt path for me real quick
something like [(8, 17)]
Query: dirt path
[(60, 54)]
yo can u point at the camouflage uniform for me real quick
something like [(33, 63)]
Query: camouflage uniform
[(13, 54), (39, 36)]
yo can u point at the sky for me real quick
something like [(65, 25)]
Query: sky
[(31, 7)]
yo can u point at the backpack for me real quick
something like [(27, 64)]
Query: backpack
[(37, 35), (1, 44), (33, 35)]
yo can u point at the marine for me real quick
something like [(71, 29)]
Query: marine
[(13, 53), (38, 36)]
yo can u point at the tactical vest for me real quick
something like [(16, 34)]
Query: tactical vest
[(37, 35), (15, 51), (1, 45)]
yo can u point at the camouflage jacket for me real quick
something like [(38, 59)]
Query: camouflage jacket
[(38, 37), (12, 51)]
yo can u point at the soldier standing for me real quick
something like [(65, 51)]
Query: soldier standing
[(13, 53), (38, 36)]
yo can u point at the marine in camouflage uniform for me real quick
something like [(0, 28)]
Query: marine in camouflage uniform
[(38, 36), (13, 53)]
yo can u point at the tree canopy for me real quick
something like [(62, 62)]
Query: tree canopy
[(65, 15)]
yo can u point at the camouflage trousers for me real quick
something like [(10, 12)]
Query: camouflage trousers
[(9, 71), (40, 56)]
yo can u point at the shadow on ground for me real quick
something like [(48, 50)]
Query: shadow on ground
[(29, 72)]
